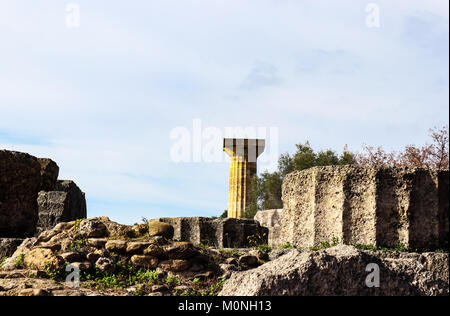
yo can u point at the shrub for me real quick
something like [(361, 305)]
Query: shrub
[(19, 261)]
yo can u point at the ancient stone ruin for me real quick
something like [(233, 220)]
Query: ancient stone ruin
[(243, 154), (355, 208), (218, 232), (272, 220), (32, 199), (370, 206), (146, 259)]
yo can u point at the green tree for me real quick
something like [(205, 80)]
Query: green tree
[(269, 193), (327, 158), (304, 158)]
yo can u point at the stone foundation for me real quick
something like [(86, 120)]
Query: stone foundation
[(219, 233), (371, 206)]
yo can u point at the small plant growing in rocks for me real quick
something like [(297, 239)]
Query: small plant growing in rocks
[(231, 253), (254, 241), (76, 227), (173, 280), (78, 244), (287, 246), (401, 248), (52, 272), (195, 283), (264, 248), (19, 261), (326, 244)]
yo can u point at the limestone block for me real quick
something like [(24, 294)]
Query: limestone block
[(65, 204), (366, 205), (77, 199)]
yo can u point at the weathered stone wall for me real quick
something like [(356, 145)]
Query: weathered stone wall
[(20, 181), (272, 220), (372, 206), (219, 232)]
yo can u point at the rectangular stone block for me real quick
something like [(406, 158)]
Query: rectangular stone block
[(391, 198), (66, 204), (217, 232), (423, 211), (359, 209)]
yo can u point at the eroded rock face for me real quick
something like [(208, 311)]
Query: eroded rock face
[(39, 258), (32, 199), (20, 180), (136, 262), (52, 209), (335, 271), (272, 220), (372, 206), (157, 228)]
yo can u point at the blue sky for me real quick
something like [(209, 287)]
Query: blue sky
[(102, 99)]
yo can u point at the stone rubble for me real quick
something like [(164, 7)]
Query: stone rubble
[(99, 244)]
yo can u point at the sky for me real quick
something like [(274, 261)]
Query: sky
[(109, 89)]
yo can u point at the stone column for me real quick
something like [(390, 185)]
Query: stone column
[(243, 154)]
